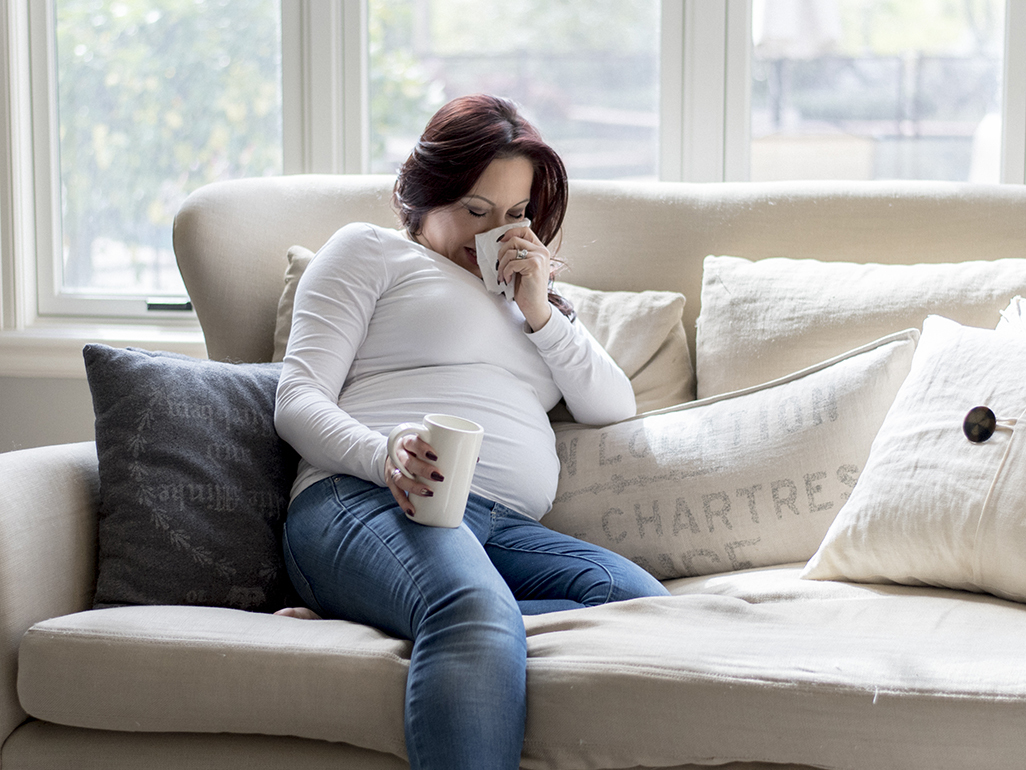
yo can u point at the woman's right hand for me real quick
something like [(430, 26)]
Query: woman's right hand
[(417, 455)]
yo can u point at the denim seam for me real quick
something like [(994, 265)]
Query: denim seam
[(302, 573), (609, 576), (386, 546)]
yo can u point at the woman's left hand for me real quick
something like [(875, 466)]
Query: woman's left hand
[(526, 260)]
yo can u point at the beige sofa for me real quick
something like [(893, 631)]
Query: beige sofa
[(747, 664)]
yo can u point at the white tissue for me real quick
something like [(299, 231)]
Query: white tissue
[(1013, 318), (487, 246)]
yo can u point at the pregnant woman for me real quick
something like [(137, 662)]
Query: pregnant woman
[(390, 325)]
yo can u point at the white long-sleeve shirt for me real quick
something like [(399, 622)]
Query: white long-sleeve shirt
[(385, 331)]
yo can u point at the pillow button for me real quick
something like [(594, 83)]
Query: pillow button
[(979, 424)]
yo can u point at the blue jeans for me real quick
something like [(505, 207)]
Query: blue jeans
[(459, 595)]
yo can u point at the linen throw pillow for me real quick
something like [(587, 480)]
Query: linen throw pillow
[(1013, 317), (761, 320), (298, 258), (933, 507), (194, 481), (743, 480), (642, 331)]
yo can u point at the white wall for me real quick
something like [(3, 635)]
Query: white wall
[(36, 412)]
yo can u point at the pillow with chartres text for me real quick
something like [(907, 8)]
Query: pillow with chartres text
[(747, 479), (642, 331), (942, 500), (765, 319)]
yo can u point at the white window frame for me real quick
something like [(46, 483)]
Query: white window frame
[(1013, 103), (705, 109), (704, 136), (705, 89), (52, 300), (324, 66)]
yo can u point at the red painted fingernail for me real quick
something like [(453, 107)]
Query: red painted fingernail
[(432, 456), (437, 476)]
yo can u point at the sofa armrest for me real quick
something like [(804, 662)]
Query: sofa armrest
[(48, 510)]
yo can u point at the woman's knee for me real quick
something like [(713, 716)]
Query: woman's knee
[(633, 582), (486, 604)]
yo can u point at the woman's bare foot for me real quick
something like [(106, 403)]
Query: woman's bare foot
[(298, 612)]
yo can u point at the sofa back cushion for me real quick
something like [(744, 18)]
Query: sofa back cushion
[(762, 320), (231, 238)]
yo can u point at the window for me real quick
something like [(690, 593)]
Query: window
[(866, 89), (587, 74), (153, 100), (114, 110)]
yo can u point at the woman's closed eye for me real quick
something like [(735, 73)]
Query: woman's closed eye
[(477, 213)]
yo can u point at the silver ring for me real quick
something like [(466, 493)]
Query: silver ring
[(396, 473), (522, 254)]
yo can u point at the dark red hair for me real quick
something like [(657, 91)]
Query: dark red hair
[(462, 138), (457, 145)]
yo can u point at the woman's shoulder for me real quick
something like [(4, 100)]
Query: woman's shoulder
[(365, 232), (362, 241), (362, 249)]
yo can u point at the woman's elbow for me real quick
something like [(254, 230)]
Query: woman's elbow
[(609, 411)]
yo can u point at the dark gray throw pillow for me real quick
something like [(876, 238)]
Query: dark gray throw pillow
[(194, 481)]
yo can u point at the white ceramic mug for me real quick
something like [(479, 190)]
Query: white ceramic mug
[(457, 442)]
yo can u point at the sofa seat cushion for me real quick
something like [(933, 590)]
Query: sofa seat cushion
[(208, 669), (756, 665), (46, 746)]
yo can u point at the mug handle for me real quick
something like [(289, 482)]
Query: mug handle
[(400, 430)]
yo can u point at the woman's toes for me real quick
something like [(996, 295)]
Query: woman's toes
[(303, 613)]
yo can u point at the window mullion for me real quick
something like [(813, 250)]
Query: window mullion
[(312, 86), (705, 33), (671, 91), (17, 213), (45, 155), (355, 128), (1013, 143), (324, 86), (737, 119), (704, 95)]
